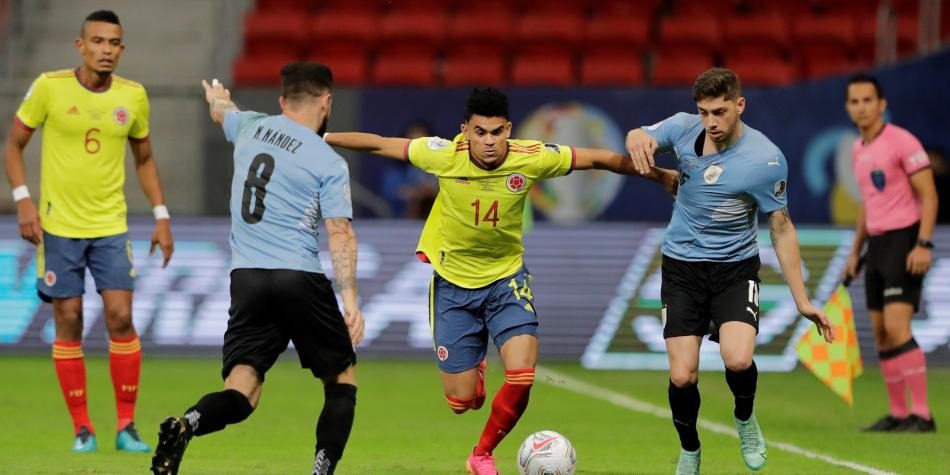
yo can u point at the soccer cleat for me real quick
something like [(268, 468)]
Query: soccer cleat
[(85, 441), (479, 400), (887, 423), (752, 443), (173, 436), (688, 463), (481, 465), (918, 424), (128, 440)]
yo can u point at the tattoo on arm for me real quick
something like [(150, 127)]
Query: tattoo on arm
[(777, 222), (220, 106), (342, 252)]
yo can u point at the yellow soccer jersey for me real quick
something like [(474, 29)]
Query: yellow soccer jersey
[(473, 234), (83, 153)]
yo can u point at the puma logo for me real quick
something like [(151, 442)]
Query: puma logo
[(774, 164), (754, 314)]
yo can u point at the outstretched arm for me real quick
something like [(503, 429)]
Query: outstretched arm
[(342, 242), (785, 243), (390, 147), (219, 100), (599, 159)]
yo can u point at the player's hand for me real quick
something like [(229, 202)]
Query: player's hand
[(640, 145), (215, 90), (851, 268), (812, 313), (354, 323), (670, 179), (29, 220), (918, 261), (162, 237)]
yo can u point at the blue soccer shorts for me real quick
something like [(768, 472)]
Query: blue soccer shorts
[(61, 265), (463, 319)]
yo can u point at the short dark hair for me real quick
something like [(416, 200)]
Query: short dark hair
[(107, 16), (487, 102), (865, 78), (717, 82), (301, 79)]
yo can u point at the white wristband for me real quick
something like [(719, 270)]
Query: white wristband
[(325, 135), (161, 212), (20, 193)]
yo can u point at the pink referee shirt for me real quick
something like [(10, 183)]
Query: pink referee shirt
[(883, 170)]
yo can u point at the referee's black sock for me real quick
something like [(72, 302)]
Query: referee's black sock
[(742, 384), (684, 402), (216, 410), (333, 427)]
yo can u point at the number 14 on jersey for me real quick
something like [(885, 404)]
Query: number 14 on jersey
[(491, 216)]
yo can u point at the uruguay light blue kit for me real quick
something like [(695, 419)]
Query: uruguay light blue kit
[(715, 217), (286, 180)]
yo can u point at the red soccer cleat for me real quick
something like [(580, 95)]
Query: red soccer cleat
[(481, 465)]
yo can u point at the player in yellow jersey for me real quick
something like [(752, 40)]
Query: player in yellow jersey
[(480, 287), (88, 115)]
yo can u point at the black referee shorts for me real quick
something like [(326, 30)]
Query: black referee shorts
[(698, 297), (886, 278), (272, 307)]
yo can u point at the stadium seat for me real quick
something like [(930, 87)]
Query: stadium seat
[(612, 67), (572, 8), (465, 27), (822, 63), (539, 66), (284, 6), (690, 33), (474, 65), (263, 70), (348, 61), (831, 31), (631, 32), (680, 67), (274, 33), (645, 9), (565, 30), (425, 26), (763, 35), (357, 24), (763, 71), (405, 64)]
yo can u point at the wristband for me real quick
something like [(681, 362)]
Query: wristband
[(161, 212), (325, 135), (925, 243), (20, 193)]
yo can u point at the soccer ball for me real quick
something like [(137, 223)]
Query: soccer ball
[(546, 453)]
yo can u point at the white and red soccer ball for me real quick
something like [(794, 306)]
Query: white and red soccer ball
[(547, 453)]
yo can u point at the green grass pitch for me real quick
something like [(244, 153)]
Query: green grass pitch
[(403, 425)]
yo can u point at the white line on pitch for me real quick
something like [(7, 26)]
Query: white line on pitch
[(575, 385)]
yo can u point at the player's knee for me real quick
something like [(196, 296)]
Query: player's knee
[(737, 363), (684, 378), (119, 320)]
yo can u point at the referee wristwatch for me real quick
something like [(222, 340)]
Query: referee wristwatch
[(924, 243)]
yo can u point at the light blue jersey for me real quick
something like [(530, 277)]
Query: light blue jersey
[(286, 180), (715, 216)]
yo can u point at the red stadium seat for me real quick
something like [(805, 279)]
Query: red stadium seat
[(543, 67), (435, 6), (565, 30), (263, 70), (678, 68), (348, 60), (764, 71), (476, 65), (644, 9), (274, 33), (690, 32), (284, 6), (466, 27), (573, 8), (763, 35), (405, 64), (414, 25), (357, 24), (612, 67), (819, 64), (629, 32), (831, 31)]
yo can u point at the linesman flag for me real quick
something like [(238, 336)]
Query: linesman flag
[(836, 364)]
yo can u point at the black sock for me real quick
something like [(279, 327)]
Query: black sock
[(333, 427), (684, 402), (216, 410), (742, 384)]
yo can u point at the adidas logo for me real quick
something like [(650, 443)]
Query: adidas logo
[(73, 110)]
